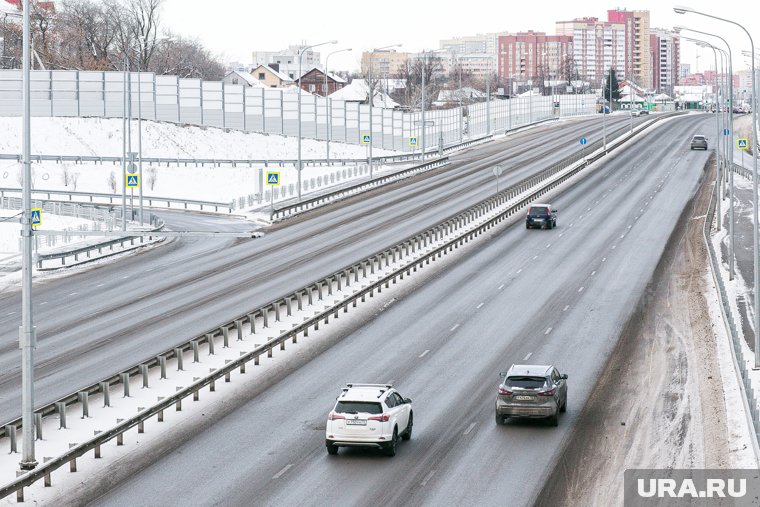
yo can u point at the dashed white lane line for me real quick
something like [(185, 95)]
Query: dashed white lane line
[(630, 226), (12, 313), (43, 303), (73, 294), (593, 273), (549, 330), (427, 477), (566, 308), (501, 286), (528, 356), (622, 236), (424, 353), (581, 289), (604, 259), (561, 234), (282, 472), (125, 277), (454, 328), (469, 428), (547, 246), (570, 225), (100, 285), (479, 306), (519, 271), (535, 257), (614, 246)]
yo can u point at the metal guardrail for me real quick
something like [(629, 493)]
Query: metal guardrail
[(342, 276), (308, 204), (745, 385), (115, 199)]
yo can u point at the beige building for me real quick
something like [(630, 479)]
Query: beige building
[(384, 63), (598, 46), (638, 54), (270, 77)]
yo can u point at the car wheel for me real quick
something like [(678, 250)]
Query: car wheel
[(390, 448), (332, 450), (500, 419), (554, 420), (563, 408), (407, 435), (527, 226)]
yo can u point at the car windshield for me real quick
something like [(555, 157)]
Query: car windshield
[(538, 212), (699, 138), (356, 407), (526, 382)]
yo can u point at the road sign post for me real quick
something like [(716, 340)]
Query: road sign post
[(497, 172), (273, 180), (36, 217), (742, 144), (583, 147)]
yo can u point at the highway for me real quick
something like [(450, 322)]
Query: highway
[(123, 312), (559, 296)]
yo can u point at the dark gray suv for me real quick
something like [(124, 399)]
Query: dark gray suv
[(535, 391), (541, 216)]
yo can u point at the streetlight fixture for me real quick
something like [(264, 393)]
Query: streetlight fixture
[(300, 55), (371, 87), (731, 256), (328, 114), (683, 10)]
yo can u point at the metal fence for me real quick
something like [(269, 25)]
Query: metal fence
[(272, 111)]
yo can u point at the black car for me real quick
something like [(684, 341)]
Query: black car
[(541, 216)]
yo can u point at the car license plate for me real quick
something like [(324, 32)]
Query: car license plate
[(524, 398), (356, 422)]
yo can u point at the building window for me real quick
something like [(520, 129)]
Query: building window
[(234, 80), (261, 76), (312, 88)]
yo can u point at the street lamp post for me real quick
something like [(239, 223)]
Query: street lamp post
[(300, 58), (683, 10), (728, 158), (371, 87), (27, 331), (328, 114)]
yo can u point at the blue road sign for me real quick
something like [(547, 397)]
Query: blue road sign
[(133, 181), (273, 179), (413, 141), (36, 217), (583, 141), (366, 138), (742, 143), (726, 132)]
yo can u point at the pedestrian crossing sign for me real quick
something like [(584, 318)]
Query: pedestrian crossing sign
[(742, 143), (133, 180), (36, 217), (273, 179), (413, 141), (366, 138)]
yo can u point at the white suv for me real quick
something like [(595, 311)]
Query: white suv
[(369, 415)]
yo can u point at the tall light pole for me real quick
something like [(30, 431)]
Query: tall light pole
[(27, 331), (300, 58), (328, 114), (730, 114), (371, 87), (683, 10)]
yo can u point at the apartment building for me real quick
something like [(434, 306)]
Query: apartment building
[(637, 39), (384, 63), (598, 46), (665, 47)]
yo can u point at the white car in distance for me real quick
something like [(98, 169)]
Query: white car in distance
[(369, 415)]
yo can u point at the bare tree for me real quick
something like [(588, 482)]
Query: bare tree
[(111, 180), (412, 73)]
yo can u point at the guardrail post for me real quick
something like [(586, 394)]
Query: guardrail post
[(276, 306), (125, 383), (338, 278), (242, 365), (310, 292), (319, 290), (141, 424), (265, 317), (38, 425), (144, 373), (178, 355), (10, 432), (212, 385), (120, 436), (210, 343), (97, 447), (162, 364), (196, 351), (84, 399), (178, 405), (329, 282), (61, 408), (226, 337), (252, 322), (239, 326)]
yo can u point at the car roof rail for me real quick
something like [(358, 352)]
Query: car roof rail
[(354, 384)]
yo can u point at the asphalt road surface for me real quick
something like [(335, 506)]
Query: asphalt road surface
[(95, 322), (560, 296)]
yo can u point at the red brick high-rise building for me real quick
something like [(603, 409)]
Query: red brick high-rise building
[(534, 57)]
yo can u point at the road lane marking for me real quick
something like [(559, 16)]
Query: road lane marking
[(535, 257), (281, 472), (479, 306), (622, 236), (519, 271), (100, 285), (501, 286), (73, 294), (565, 308), (43, 303), (427, 477), (571, 225), (604, 259), (613, 247), (528, 356), (11, 313), (125, 277), (453, 328), (560, 234), (424, 353), (581, 289), (469, 428), (547, 246), (593, 273), (548, 331)]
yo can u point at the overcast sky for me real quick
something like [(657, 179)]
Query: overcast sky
[(233, 29)]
